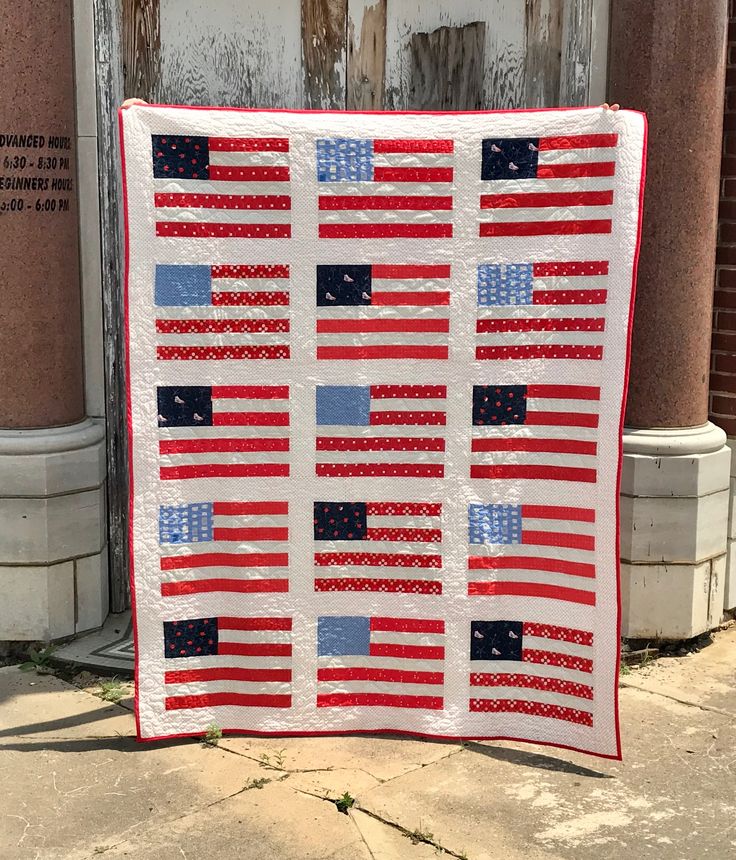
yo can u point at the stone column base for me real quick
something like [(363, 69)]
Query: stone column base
[(674, 530), (53, 534), (729, 603)]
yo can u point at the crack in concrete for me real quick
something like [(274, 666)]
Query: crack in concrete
[(414, 835), (672, 698)]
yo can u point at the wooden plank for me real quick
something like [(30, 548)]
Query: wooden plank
[(576, 44), (109, 71), (543, 52), (236, 53), (141, 47), (366, 54), (323, 52), (447, 68), (504, 83)]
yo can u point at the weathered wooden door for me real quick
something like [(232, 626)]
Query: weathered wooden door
[(340, 54)]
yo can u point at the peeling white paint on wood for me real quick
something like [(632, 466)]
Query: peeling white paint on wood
[(237, 54), (504, 53)]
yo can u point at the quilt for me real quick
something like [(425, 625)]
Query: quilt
[(376, 373)]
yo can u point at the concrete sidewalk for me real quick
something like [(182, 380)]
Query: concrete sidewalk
[(77, 785)]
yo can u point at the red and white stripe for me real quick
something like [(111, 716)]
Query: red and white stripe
[(252, 668), (249, 437), (400, 554), (410, 196), (572, 193), (407, 318), (555, 559), (246, 196), (555, 680), (404, 668), (558, 441)]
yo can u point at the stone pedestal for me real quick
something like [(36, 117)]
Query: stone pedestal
[(667, 57), (674, 526), (729, 599), (53, 554)]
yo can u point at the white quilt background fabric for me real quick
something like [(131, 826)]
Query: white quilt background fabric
[(345, 660)]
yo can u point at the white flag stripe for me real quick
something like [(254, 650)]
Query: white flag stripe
[(590, 155), (362, 432), (530, 458), (225, 661), (539, 577), (249, 404), (202, 186), (233, 158), (559, 646), (544, 213), (394, 637), (371, 312), (531, 695), (403, 688), (235, 432), (526, 338), (364, 546), (542, 186), (402, 521), (250, 285), (547, 431), (542, 670), (187, 214), (224, 457), (576, 282), (402, 663), (390, 285), (225, 314), (383, 338), (380, 456), (225, 572), (391, 189), (198, 688), (413, 159), (540, 312), (239, 338), (229, 546), (384, 216)]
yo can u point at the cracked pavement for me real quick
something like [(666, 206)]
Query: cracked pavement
[(77, 785)]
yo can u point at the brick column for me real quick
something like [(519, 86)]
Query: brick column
[(53, 571), (667, 57), (722, 404)]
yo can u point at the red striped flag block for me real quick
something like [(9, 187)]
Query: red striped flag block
[(221, 187), (544, 551), (542, 186), (380, 662), (359, 180), (537, 432), (381, 430), (383, 312), (239, 547), (223, 431), (388, 547), (531, 315), (211, 313), (236, 661), (552, 674)]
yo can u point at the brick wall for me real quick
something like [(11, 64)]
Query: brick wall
[(723, 355)]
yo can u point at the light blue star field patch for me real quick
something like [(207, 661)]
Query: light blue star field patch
[(494, 524), (185, 523), (344, 160), (505, 284)]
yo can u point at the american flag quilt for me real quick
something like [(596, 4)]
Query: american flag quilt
[(376, 375)]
